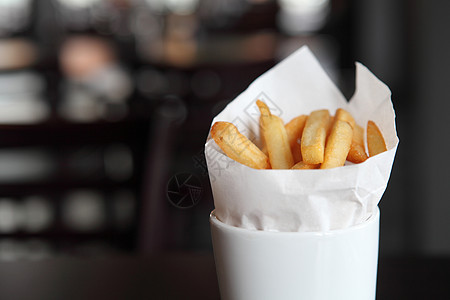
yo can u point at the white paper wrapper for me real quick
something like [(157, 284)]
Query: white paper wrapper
[(302, 200)]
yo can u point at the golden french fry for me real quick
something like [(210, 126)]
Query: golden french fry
[(238, 147), (314, 136), (276, 138), (357, 153), (263, 141), (338, 145), (375, 140), (330, 125), (294, 130), (358, 135), (301, 165), (343, 115)]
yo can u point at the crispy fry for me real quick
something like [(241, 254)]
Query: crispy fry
[(357, 153), (294, 130), (276, 138), (338, 145), (306, 142), (238, 147), (330, 125), (263, 141), (343, 115), (314, 136), (301, 165), (375, 140)]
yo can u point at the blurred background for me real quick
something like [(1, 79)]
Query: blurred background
[(105, 106)]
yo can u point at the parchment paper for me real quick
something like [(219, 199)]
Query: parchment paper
[(302, 200)]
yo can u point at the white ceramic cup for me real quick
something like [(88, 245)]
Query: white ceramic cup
[(335, 265)]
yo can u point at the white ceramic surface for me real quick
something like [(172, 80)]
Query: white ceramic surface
[(336, 265)]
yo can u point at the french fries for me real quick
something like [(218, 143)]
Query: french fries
[(238, 147), (276, 139), (338, 145), (301, 165), (330, 124), (357, 154), (375, 140), (314, 141), (343, 115), (263, 141), (314, 137), (294, 130)]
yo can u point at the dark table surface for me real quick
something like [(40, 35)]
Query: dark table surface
[(187, 276)]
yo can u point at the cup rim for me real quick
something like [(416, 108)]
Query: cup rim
[(214, 220)]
